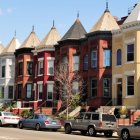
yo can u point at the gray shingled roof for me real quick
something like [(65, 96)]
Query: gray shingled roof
[(76, 31)]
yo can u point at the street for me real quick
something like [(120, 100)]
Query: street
[(10, 133)]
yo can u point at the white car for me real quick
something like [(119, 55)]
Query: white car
[(7, 118)]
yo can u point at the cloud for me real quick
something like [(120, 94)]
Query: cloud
[(1, 12), (10, 10)]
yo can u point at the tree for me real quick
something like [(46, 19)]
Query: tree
[(68, 85)]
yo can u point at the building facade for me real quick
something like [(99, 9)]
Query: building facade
[(7, 71), (125, 62)]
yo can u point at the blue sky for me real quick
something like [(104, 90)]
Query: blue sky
[(20, 15)]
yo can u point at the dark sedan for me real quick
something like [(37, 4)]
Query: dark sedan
[(40, 121)]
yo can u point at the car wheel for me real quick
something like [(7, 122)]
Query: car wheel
[(67, 129), (83, 132), (1, 124), (91, 131), (20, 125), (108, 134), (37, 127), (125, 135)]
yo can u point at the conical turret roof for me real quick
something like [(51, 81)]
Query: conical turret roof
[(50, 39), (106, 23), (31, 41), (1, 47), (76, 31), (134, 15), (12, 46)]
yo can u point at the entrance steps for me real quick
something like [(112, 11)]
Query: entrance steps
[(106, 109)]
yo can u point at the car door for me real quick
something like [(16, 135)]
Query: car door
[(77, 121), (135, 130), (85, 121), (28, 121)]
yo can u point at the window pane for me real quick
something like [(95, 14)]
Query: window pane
[(19, 91), (29, 68), (94, 59), (86, 62), (20, 69), (40, 91), (40, 67), (10, 92), (107, 60), (75, 63), (130, 85), (75, 87), (119, 57), (28, 90), (106, 86), (51, 67), (1, 92), (3, 71), (130, 52), (94, 87)]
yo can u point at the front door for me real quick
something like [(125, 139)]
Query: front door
[(119, 91)]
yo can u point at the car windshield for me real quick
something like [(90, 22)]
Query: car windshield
[(107, 117), (7, 114)]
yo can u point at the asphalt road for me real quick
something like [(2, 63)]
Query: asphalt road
[(9, 133)]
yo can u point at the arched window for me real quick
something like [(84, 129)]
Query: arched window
[(119, 57)]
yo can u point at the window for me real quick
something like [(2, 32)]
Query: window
[(107, 60), (94, 87), (86, 62), (95, 116), (130, 52), (49, 91), (19, 91), (40, 91), (130, 85), (20, 68), (50, 67), (119, 57), (106, 87), (10, 92), (3, 71), (65, 60), (29, 68), (75, 62), (1, 92), (87, 116), (94, 59), (40, 67), (75, 87), (28, 90)]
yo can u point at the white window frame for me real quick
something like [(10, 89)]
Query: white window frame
[(48, 67), (39, 84), (27, 90), (129, 96), (94, 59), (127, 53), (75, 66), (41, 60), (106, 58), (48, 84)]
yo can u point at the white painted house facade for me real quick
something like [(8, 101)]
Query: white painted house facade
[(7, 71)]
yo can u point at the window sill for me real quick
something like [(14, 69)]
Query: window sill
[(118, 66), (50, 74), (39, 100), (129, 96), (40, 75), (129, 62)]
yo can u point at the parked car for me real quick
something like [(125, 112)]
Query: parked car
[(7, 118), (130, 131), (40, 121), (92, 123)]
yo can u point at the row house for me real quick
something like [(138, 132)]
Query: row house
[(7, 71), (90, 54), (44, 57), (126, 61), (24, 76)]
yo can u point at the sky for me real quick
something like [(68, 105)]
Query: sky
[(21, 15)]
